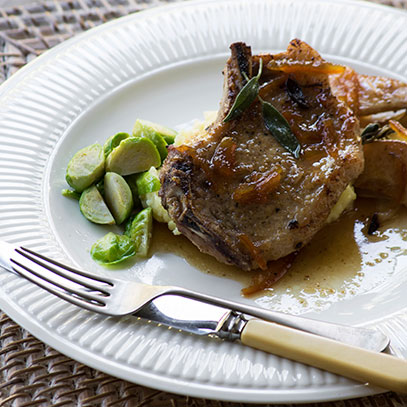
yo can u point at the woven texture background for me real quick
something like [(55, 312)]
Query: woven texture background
[(31, 373)]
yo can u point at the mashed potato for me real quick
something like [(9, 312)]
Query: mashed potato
[(197, 131), (345, 201)]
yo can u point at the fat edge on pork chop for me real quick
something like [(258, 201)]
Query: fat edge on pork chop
[(237, 193)]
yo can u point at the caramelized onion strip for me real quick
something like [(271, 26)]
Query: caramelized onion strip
[(302, 67), (259, 188), (274, 272), (399, 129), (254, 251)]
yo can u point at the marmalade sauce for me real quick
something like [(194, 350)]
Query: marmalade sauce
[(341, 261)]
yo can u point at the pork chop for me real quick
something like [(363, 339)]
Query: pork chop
[(237, 193)]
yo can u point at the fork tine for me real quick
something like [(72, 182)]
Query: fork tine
[(65, 267), (48, 274), (63, 271), (56, 290)]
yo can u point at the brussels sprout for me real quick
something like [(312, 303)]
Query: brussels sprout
[(85, 167), (169, 138), (118, 196), (159, 142), (101, 187), (161, 136), (132, 183), (112, 249), (94, 208), (144, 127), (133, 155), (113, 141), (68, 193), (139, 230), (148, 182)]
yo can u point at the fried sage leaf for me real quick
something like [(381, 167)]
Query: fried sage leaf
[(278, 126), (296, 94), (373, 132), (245, 97), (370, 132)]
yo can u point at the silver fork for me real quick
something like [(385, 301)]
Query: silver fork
[(115, 297)]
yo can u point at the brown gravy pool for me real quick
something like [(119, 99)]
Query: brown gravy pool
[(340, 262)]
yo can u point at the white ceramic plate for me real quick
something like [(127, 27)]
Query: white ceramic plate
[(165, 65)]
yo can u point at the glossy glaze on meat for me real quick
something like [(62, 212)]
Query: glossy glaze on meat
[(242, 197)]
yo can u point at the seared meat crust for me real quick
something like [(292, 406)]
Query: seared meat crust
[(238, 194)]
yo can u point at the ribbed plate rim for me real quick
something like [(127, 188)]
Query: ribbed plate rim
[(151, 380)]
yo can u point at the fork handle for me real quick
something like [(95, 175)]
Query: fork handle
[(378, 369)]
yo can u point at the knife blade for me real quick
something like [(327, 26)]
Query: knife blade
[(185, 314)]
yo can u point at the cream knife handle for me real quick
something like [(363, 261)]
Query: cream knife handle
[(362, 365)]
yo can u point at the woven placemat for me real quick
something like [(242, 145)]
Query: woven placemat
[(32, 373)]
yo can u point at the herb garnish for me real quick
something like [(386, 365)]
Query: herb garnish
[(274, 121), (246, 96), (373, 131), (370, 132), (278, 126)]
